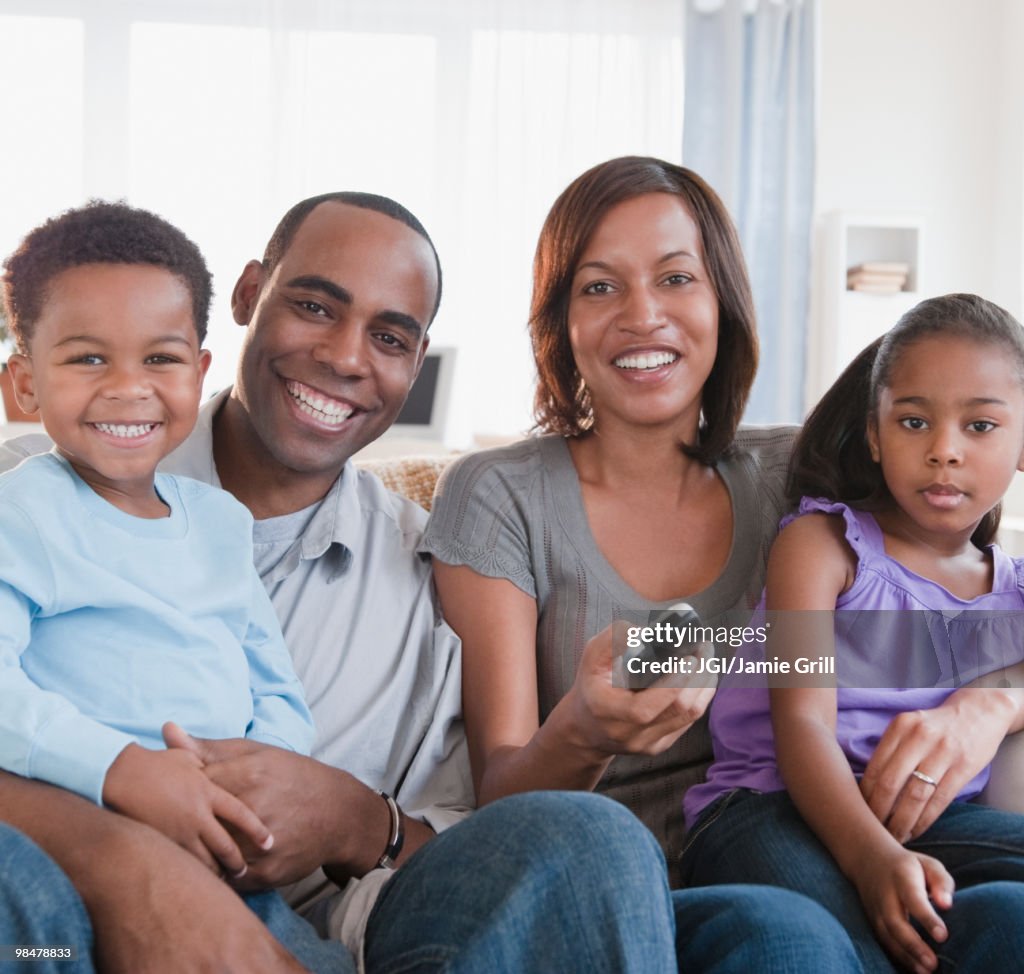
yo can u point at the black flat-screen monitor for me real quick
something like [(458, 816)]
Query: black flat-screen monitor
[(425, 411)]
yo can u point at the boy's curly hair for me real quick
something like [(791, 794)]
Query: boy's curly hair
[(99, 233)]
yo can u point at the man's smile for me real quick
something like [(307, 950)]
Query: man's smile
[(323, 408)]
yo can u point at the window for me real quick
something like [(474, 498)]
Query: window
[(473, 113)]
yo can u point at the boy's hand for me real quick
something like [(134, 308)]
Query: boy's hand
[(896, 887), (169, 791)]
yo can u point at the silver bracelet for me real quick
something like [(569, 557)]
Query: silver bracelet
[(397, 840)]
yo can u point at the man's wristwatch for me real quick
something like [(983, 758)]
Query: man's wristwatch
[(397, 839)]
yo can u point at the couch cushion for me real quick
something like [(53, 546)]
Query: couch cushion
[(412, 477)]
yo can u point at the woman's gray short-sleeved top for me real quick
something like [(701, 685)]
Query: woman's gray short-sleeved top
[(517, 513)]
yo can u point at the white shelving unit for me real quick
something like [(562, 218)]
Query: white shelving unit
[(849, 320)]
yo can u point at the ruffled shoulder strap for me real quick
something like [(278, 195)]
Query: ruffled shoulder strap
[(1017, 564), (862, 531)]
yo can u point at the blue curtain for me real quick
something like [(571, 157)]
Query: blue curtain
[(748, 129)]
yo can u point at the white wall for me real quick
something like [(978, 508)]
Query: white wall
[(922, 111), (918, 114)]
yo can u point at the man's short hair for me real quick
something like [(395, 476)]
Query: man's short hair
[(99, 233), (285, 231)]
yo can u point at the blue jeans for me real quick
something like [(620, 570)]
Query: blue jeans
[(560, 881), (541, 882), (38, 905), (748, 837)]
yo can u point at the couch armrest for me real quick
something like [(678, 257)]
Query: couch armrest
[(1005, 788)]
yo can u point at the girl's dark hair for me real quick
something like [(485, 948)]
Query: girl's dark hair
[(832, 458), (562, 404)]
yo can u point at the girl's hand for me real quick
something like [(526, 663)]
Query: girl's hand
[(898, 886), (951, 743), (169, 791), (610, 719)]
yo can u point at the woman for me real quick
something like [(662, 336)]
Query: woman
[(641, 494)]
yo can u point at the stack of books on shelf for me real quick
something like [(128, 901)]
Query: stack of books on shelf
[(878, 277)]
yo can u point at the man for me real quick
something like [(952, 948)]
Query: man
[(336, 316)]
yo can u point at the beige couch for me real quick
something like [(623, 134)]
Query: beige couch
[(411, 476)]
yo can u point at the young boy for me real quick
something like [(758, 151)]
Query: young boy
[(128, 598)]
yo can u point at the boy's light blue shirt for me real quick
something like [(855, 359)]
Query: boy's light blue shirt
[(111, 625), (381, 668)]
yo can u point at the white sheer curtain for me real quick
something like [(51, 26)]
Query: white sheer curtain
[(220, 115), (750, 117)]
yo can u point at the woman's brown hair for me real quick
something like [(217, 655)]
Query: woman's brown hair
[(562, 404)]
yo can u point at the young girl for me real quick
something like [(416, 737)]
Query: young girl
[(900, 469)]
